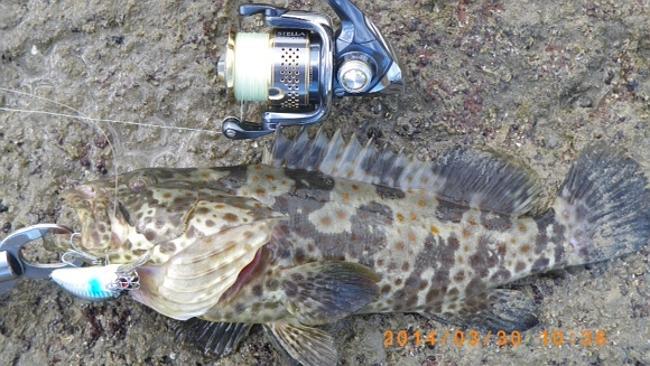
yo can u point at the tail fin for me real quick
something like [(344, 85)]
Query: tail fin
[(604, 205)]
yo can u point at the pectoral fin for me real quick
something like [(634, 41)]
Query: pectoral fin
[(218, 339), (307, 345), (193, 281), (319, 293)]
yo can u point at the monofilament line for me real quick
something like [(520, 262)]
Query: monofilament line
[(151, 125)]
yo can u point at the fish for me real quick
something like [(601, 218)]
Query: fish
[(324, 229)]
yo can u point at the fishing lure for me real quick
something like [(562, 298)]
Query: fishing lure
[(97, 282)]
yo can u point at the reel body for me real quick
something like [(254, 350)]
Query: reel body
[(301, 63)]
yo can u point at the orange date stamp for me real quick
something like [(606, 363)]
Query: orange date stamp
[(473, 338)]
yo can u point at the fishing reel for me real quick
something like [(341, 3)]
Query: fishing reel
[(301, 63)]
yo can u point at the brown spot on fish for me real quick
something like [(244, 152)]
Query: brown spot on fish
[(406, 266), (411, 301), (411, 236), (484, 258), (385, 289), (257, 290), (413, 216), (341, 215), (299, 256), (326, 221), (524, 248), (388, 193), (520, 266), (400, 217), (210, 223), (270, 177), (459, 276), (522, 227), (398, 282), (272, 284), (449, 212), (202, 210), (453, 293), (400, 246), (150, 235), (167, 247), (501, 249), (230, 217), (139, 252), (422, 203), (432, 295), (290, 288), (297, 277), (247, 234), (434, 230), (346, 197)]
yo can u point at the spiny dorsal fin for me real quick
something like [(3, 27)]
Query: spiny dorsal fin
[(467, 177)]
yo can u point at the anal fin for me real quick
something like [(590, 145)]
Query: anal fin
[(307, 345), (218, 339), (501, 309), (319, 293)]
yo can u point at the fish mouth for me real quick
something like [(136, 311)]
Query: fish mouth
[(94, 207)]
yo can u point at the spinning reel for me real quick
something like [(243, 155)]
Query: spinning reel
[(301, 63)]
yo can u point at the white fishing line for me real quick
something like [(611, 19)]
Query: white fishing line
[(85, 118), (95, 125), (252, 66)]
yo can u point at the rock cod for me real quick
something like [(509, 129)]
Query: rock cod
[(324, 229)]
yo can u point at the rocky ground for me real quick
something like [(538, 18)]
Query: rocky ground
[(538, 79)]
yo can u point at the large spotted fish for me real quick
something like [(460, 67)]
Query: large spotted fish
[(325, 229)]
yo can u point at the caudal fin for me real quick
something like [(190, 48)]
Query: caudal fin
[(604, 205)]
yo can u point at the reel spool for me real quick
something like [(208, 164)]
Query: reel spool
[(298, 65)]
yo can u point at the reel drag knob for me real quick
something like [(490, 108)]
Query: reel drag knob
[(355, 76)]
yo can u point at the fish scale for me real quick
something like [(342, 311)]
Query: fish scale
[(324, 229)]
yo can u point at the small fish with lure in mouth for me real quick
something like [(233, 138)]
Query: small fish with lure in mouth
[(325, 229)]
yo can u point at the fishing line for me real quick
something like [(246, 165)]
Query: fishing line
[(152, 125), (101, 131), (83, 117)]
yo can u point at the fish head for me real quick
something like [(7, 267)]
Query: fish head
[(101, 216), (158, 210)]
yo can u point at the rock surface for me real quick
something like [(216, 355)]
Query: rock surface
[(538, 79)]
